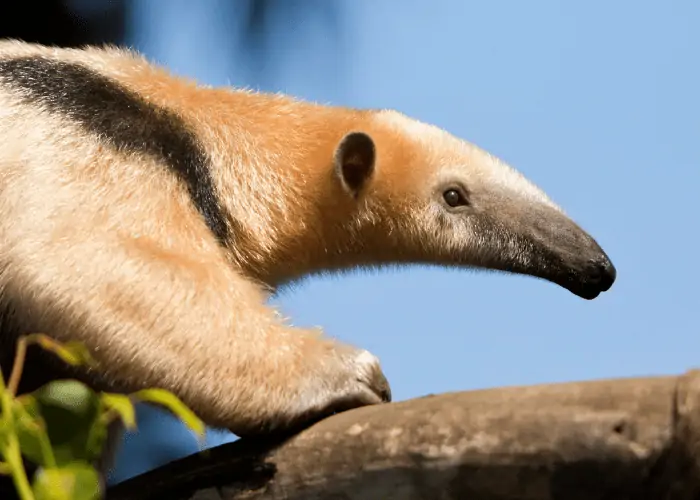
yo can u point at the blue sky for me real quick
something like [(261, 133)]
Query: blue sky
[(597, 102)]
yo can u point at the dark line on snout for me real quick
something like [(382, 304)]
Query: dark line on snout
[(124, 120)]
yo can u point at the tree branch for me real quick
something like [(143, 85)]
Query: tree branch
[(634, 438)]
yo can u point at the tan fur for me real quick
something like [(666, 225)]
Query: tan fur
[(107, 248)]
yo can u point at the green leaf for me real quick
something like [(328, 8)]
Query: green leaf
[(74, 353), (122, 405), (171, 402), (31, 431), (68, 394), (71, 412), (96, 438), (76, 481)]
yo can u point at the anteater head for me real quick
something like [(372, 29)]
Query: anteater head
[(420, 195)]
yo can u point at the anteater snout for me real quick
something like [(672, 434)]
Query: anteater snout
[(596, 277), (574, 259), (543, 242), (606, 273)]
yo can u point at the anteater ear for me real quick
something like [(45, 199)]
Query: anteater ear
[(354, 161)]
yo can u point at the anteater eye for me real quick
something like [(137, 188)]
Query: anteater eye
[(454, 198)]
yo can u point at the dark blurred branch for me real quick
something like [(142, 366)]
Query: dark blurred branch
[(72, 23), (58, 22), (260, 12), (257, 33)]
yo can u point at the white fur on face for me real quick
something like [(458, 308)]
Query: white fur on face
[(452, 157)]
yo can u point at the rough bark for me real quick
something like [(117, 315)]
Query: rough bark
[(636, 438)]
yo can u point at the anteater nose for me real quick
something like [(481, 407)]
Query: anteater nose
[(608, 273)]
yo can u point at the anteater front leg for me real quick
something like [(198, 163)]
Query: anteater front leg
[(189, 323)]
